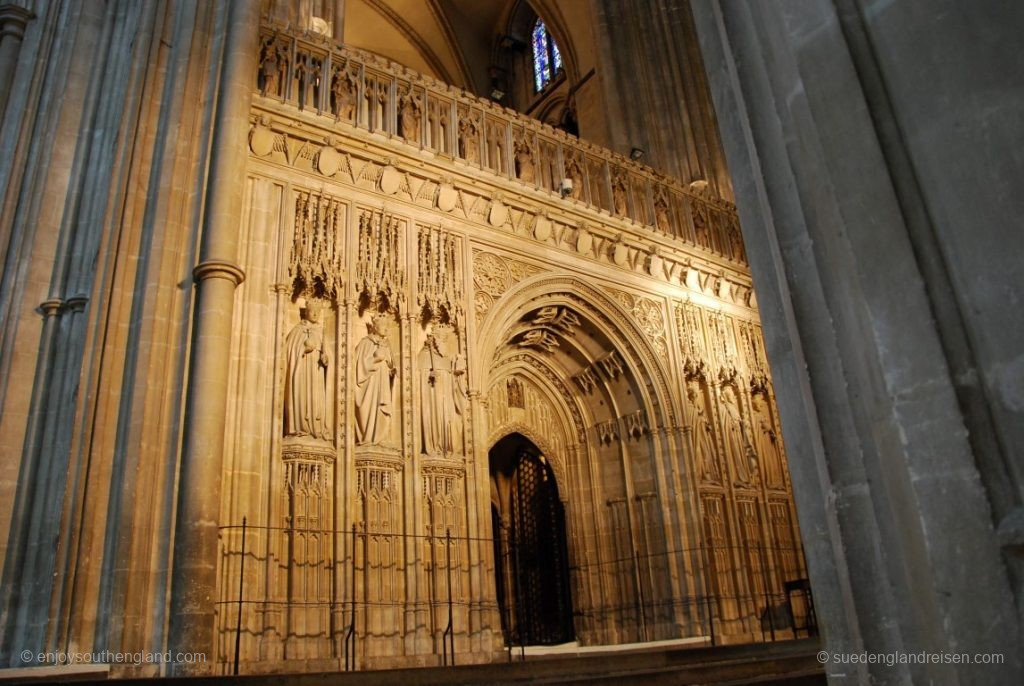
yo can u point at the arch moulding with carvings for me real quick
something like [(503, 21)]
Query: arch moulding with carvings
[(607, 316)]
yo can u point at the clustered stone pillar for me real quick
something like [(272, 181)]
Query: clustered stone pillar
[(13, 20), (194, 581)]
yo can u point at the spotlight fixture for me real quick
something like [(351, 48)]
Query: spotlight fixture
[(635, 154), (497, 94)]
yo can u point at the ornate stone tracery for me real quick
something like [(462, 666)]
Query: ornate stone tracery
[(317, 264), (440, 277), (380, 276)]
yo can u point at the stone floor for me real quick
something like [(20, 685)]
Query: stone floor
[(785, 662)]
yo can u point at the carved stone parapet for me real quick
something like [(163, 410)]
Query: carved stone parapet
[(498, 140), (218, 269)]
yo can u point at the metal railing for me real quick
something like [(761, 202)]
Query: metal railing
[(753, 605)]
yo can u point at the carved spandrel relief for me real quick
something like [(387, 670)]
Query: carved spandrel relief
[(493, 276), (443, 394), (307, 412), (647, 315), (374, 385)]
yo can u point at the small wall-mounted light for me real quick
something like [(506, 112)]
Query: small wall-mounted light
[(635, 154), (566, 187), (497, 94)]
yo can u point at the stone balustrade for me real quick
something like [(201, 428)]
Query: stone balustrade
[(364, 90)]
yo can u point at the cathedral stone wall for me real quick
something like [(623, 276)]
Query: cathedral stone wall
[(271, 307), (418, 287)]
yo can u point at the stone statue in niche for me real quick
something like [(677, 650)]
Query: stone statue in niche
[(515, 393), (619, 197), (271, 67), (374, 385), (469, 139), (702, 443), (307, 72), (305, 387), (661, 218), (524, 162), (575, 174), (735, 240), (442, 395), (736, 436), (409, 118), (766, 442), (343, 99), (700, 224)]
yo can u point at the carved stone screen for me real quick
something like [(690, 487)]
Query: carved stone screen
[(417, 290)]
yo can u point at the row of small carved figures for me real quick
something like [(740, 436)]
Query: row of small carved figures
[(527, 158)]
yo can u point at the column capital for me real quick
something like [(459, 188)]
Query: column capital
[(218, 269), (13, 20), (51, 307)]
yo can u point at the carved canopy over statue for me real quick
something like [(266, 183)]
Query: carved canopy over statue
[(374, 389), (308, 362)]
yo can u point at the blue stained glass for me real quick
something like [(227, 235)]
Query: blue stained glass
[(558, 55), (541, 69)]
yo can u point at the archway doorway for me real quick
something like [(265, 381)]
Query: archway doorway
[(530, 548)]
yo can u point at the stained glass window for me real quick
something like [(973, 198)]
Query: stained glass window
[(547, 60)]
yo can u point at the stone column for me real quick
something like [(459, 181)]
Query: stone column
[(13, 20), (857, 190), (194, 581)]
